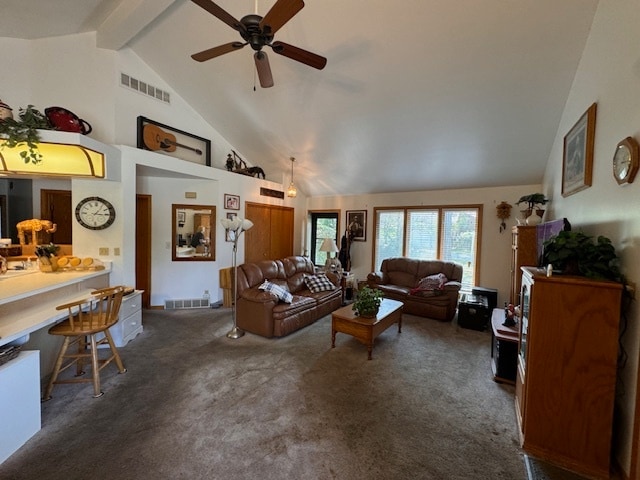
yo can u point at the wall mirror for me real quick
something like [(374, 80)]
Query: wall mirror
[(193, 233)]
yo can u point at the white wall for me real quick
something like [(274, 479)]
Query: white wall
[(71, 72), (609, 74), (495, 253)]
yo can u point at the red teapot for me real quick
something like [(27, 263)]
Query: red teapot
[(66, 121)]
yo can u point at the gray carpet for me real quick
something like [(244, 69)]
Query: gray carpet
[(197, 405)]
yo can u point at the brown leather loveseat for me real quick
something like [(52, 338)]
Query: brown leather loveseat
[(428, 288), (264, 313)]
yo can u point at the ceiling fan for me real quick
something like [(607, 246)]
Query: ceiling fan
[(258, 32)]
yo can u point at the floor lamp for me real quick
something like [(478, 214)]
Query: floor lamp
[(235, 227)]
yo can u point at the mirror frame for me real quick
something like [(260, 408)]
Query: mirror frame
[(179, 208)]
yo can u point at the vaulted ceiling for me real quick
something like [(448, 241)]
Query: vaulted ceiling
[(416, 94)]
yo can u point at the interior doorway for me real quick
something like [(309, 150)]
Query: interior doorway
[(271, 236), (55, 205), (143, 247)]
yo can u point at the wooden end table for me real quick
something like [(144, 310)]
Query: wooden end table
[(366, 330)]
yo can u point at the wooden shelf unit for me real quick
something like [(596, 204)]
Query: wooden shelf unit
[(566, 376)]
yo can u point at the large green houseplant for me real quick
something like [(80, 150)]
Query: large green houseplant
[(24, 131), (367, 302), (575, 253)]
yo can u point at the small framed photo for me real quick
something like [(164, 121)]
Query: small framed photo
[(357, 225), (577, 156), (227, 237), (231, 202)]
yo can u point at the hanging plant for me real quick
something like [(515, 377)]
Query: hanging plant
[(24, 131)]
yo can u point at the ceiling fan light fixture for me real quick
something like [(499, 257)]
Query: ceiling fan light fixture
[(292, 191), (258, 32)]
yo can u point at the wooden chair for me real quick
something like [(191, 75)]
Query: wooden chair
[(87, 319)]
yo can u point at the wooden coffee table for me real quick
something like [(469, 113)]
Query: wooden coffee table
[(366, 330)]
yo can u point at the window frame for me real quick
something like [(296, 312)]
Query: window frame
[(440, 234), (312, 216)]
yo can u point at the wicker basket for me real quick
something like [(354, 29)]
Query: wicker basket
[(8, 352)]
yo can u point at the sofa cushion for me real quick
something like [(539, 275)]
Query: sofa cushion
[(430, 283), (318, 283), (281, 292)]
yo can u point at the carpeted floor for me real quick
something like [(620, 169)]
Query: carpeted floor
[(197, 405)]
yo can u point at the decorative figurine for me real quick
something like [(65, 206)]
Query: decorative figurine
[(509, 315), (5, 111)]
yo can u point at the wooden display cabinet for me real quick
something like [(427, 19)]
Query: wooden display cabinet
[(566, 375), (523, 253)]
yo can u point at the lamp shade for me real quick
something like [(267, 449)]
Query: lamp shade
[(246, 224), (329, 245)]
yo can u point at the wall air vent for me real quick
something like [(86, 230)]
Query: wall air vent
[(186, 303), (139, 86)]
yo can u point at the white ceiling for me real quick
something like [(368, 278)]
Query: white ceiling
[(416, 94)]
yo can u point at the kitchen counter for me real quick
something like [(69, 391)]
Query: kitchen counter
[(28, 298)]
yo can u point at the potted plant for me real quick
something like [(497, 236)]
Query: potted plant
[(575, 253), (25, 131), (367, 302), (533, 201)]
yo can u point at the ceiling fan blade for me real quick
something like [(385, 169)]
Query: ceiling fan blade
[(264, 69), (221, 14), (217, 51), (299, 55), (280, 13)]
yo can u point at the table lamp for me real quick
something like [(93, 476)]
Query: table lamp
[(329, 246)]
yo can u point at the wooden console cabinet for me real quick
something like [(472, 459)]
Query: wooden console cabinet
[(566, 375)]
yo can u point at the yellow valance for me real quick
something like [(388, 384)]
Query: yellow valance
[(57, 159)]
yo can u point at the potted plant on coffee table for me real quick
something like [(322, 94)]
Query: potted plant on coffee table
[(367, 302)]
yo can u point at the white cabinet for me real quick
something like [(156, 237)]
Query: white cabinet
[(19, 401), (130, 323)]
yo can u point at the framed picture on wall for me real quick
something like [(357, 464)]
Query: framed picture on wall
[(577, 156), (357, 225), (157, 137), (231, 202), (227, 237)]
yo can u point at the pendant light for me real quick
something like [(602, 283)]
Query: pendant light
[(292, 191)]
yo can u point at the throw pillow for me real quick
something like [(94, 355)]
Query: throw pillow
[(431, 282), (318, 283), (280, 292)]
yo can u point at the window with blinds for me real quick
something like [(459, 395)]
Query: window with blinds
[(430, 233)]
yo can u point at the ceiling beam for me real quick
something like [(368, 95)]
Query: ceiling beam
[(127, 20)]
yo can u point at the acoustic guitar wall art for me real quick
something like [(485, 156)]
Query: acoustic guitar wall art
[(157, 139)]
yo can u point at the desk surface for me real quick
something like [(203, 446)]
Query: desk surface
[(28, 302)]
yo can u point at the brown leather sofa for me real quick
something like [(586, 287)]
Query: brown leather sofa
[(262, 313), (399, 278)]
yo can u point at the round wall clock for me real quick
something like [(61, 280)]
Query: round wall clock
[(625, 161), (95, 213)]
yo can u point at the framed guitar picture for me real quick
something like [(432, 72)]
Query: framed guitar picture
[(161, 138)]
